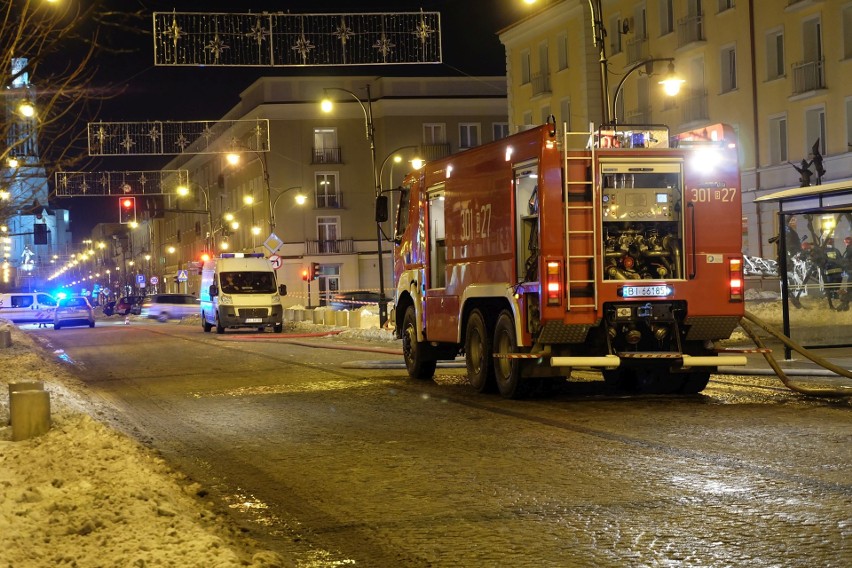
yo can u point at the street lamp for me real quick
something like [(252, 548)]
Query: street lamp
[(396, 159), (371, 138), (301, 199), (183, 190), (233, 159), (671, 82)]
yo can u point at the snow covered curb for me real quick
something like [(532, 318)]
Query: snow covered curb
[(85, 495)]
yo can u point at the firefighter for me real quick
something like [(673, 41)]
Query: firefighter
[(846, 263), (832, 271)]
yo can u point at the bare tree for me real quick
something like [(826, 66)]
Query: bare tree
[(48, 53)]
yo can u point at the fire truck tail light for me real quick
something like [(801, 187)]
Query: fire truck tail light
[(553, 283), (735, 272)]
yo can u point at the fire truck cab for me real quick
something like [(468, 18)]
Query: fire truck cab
[(550, 250)]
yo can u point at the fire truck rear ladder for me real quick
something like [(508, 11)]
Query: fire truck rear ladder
[(587, 192)]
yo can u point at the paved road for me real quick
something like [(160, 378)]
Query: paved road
[(332, 465)]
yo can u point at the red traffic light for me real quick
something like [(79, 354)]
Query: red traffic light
[(305, 275), (127, 210), (205, 257), (315, 271)]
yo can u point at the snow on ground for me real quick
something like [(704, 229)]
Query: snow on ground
[(85, 495)]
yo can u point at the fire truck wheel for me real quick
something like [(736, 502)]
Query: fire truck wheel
[(695, 382), (478, 355), (419, 367), (507, 372)]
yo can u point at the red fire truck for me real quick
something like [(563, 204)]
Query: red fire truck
[(550, 250)]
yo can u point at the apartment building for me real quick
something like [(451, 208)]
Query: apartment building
[(761, 66), (326, 159)]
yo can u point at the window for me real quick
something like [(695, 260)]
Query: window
[(328, 231), (846, 27), (500, 130), (815, 129), (666, 17), (326, 150), (545, 113), (562, 51), (729, 69), (778, 140), (438, 258), (527, 119), (543, 59), (525, 67), (725, 5), (615, 36), (327, 194), (849, 123), (468, 134), (434, 133), (565, 112), (774, 54)]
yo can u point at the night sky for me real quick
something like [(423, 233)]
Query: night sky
[(469, 47)]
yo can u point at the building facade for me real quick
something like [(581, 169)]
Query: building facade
[(760, 66), (325, 158)]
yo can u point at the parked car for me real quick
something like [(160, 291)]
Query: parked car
[(353, 300), (164, 307), (75, 310), (129, 305)]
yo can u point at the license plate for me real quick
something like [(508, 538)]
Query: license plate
[(645, 291), (254, 320)]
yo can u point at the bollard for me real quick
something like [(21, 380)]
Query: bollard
[(30, 414), (318, 316), (288, 314), (5, 337), (355, 319), (298, 315), (341, 318), (22, 386)]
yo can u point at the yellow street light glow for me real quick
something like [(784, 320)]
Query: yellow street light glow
[(671, 83), (417, 163), (248, 199), (182, 190), (255, 230), (170, 250), (301, 199), (27, 109), (326, 105), (233, 158)]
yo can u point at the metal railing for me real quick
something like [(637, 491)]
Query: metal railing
[(326, 156), (540, 83), (693, 105), (637, 50), (339, 246), (808, 76), (690, 29), (435, 151)]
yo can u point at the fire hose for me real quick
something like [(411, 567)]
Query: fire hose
[(822, 362)]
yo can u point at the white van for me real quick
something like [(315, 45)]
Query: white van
[(27, 307), (240, 290)]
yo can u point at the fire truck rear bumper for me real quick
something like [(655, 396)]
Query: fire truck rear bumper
[(614, 361)]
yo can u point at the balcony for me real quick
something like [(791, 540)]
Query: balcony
[(540, 84), (808, 76), (340, 246), (693, 105), (435, 151), (326, 156), (690, 30)]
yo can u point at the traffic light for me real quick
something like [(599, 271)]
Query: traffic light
[(305, 274), (40, 234), (204, 257), (127, 210), (315, 271)]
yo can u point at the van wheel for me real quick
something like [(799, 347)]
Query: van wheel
[(204, 325), (91, 324), (163, 317), (219, 328), (57, 326), (278, 327), (507, 372), (478, 355), (418, 365)]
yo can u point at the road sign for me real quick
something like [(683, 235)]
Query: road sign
[(275, 260), (273, 243), (140, 279), (182, 276), (154, 280)]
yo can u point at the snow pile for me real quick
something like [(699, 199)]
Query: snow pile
[(84, 495)]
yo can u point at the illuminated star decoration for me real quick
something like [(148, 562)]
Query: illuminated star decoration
[(216, 46), (101, 136), (303, 45), (423, 30), (154, 134), (384, 45), (127, 143), (343, 32), (84, 187), (258, 33), (182, 142), (175, 33)]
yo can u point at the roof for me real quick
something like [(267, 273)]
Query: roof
[(835, 195)]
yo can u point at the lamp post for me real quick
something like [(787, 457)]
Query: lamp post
[(371, 138), (183, 190), (234, 159), (300, 199), (671, 83)]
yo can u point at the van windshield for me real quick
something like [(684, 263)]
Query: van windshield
[(247, 282)]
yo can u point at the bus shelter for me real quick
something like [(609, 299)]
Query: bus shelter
[(814, 243)]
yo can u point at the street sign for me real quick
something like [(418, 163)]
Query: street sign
[(140, 280), (181, 276), (273, 243), (275, 260), (154, 280)]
